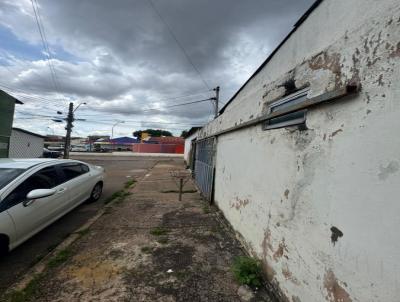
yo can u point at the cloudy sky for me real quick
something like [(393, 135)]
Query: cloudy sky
[(131, 60)]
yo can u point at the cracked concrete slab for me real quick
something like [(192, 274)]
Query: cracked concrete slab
[(150, 247)]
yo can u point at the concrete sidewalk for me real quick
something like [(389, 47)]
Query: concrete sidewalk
[(148, 246)]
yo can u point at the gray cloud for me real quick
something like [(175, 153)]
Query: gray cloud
[(128, 62)]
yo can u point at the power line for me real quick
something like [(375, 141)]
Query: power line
[(45, 45), (178, 43), (177, 105), (110, 121), (188, 103)]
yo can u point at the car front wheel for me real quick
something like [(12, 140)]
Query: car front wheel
[(96, 192), (3, 247)]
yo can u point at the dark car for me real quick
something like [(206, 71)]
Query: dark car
[(50, 153)]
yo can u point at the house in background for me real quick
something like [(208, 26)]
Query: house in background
[(124, 143), (304, 160), (163, 144), (190, 146), (7, 106), (25, 144)]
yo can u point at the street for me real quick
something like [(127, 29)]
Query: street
[(118, 171)]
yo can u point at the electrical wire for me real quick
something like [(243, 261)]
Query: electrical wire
[(178, 43), (45, 45)]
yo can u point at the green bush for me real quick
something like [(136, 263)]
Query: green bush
[(247, 271)]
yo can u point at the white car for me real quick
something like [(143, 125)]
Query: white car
[(36, 192), (79, 148)]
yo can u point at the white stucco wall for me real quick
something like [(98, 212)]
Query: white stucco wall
[(188, 145), (24, 145), (283, 190)]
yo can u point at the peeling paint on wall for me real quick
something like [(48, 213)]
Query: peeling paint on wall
[(311, 187), (336, 234), (335, 292), (239, 203), (280, 252)]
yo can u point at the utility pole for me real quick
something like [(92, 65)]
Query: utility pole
[(70, 119), (216, 101), (112, 129)]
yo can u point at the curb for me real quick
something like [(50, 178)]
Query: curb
[(41, 266)]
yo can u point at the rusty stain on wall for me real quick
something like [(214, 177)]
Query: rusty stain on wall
[(336, 293), (326, 61), (280, 252), (239, 203)]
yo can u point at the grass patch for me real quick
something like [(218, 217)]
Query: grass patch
[(129, 183), (60, 258), (28, 292), (83, 232), (159, 231), (247, 271), (118, 196), (206, 209), (146, 249)]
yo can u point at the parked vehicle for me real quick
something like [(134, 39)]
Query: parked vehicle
[(79, 148), (53, 148), (36, 192), (51, 154)]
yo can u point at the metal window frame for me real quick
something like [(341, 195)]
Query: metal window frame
[(296, 118)]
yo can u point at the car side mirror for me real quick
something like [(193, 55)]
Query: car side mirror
[(40, 193)]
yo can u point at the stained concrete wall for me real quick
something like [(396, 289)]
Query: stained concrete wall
[(320, 207)]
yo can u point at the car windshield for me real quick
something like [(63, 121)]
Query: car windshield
[(7, 175)]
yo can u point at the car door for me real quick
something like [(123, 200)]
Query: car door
[(31, 218), (77, 180)]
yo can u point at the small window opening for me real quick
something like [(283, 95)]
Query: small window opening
[(297, 118)]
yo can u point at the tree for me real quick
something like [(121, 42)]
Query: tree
[(184, 133), (152, 132)]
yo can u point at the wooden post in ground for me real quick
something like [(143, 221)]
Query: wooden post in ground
[(180, 188)]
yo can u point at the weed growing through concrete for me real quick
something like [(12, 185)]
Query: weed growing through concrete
[(118, 196), (129, 183), (28, 292), (83, 232), (206, 209), (60, 258), (247, 271), (159, 231)]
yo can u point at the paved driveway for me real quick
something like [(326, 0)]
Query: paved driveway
[(117, 168)]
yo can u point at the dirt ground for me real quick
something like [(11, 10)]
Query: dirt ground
[(148, 247)]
